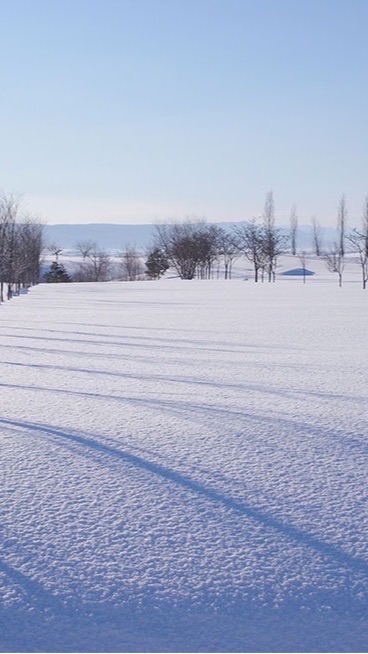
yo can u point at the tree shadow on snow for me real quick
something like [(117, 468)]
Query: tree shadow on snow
[(56, 626), (187, 409), (292, 533)]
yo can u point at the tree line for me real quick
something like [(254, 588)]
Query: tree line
[(191, 248), (96, 264), (21, 246), (198, 250), (194, 249)]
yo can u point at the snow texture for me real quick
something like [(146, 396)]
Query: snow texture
[(184, 467)]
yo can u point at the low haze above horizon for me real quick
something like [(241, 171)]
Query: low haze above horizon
[(134, 111)]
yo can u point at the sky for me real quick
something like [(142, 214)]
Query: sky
[(134, 111)]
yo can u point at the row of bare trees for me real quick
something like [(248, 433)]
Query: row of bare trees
[(316, 229), (196, 249), (349, 241), (193, 249), (21, 245), (98, 265), (358, 243)]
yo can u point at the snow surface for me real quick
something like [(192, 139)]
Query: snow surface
[(184, 467)]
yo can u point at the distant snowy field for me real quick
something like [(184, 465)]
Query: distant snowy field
[(184, 467)]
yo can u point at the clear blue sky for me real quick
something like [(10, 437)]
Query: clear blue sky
[(135, 110)]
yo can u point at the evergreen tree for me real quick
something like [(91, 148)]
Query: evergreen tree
[(57, 274), (156, 263)]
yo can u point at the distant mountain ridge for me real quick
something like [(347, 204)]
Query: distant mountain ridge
[(118, 236), (108, 236)]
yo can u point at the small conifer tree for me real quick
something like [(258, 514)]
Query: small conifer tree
[(57, 274), (156, 263)]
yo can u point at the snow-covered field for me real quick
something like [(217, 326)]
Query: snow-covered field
[(184, 467)]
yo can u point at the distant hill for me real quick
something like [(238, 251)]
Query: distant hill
[(110, 237), (117, 237)]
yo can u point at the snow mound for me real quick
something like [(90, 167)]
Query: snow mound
[(297, 272)]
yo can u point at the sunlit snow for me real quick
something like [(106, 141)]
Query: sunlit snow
[(184, 467)]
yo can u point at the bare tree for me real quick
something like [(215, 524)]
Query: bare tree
[(342, 216), (84, 248), (251, 242), (358, 241), (206, 247), (21, 245), (293, 229), (96, 265), (303, 263), (56, 250), (189, 246), (335, 261), (274, 241), (269, 225), (227, 249), (28, 247), (177, 241), (33, 230), (9, 210), (335, 257), (17, 260), (317, 236), (131, 264), (269, 210)]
